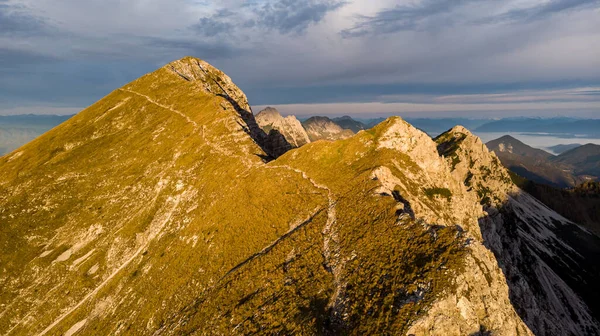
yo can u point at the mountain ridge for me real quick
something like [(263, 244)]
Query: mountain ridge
[(164, 208)]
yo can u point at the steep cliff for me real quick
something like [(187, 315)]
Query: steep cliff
[(549, 262)]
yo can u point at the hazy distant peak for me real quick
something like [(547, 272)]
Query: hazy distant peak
[(270, 119), (323, 128), (346, 117), (347, 122), (269, 111)]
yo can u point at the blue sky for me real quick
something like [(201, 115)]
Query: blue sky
[(476, 58)]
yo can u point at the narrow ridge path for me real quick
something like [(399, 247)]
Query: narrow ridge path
[(217, 147), (331, 247)]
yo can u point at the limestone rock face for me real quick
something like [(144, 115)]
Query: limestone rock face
[(290, 127), (479, 301), (323, 128), (545, 257), (472, 163)]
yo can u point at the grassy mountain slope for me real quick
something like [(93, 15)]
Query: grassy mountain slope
[(161, 209), (107, 206)]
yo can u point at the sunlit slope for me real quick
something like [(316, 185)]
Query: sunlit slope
[(154, 212), (136, 199), (387, 254)]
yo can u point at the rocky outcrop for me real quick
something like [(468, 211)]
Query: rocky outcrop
[(478, 301), (323, 128), (544, 263), (210, 80), (291, 129)]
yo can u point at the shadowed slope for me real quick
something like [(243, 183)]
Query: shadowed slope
[(549, 261)]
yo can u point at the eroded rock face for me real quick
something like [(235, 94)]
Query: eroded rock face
[(479, 301), (290, 127), (544, 263)]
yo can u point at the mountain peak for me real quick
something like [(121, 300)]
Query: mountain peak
[(271, 121), (473, 163), (323, 128), (269, 111), (211, 79), (460, 129)]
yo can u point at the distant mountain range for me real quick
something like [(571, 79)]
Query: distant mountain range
[(559, 149), (553, 126), (20, 129), (348, 123), (568, 169), (575, 164), (312, 129), (584, 160)]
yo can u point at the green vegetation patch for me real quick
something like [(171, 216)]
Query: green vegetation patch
[(442, 192)]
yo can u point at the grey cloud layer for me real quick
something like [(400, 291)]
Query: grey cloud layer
[(283, 16), (433, 14), (302, 51), (15, 20)]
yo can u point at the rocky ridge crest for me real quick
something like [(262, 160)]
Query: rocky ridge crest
[(535, 247)]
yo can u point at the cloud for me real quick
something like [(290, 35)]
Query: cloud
[(223, 22), (432, 14), (190, 46), (306, 51), (294, 16), (543, 10), (404, 17), (16, 20), (282, 16), (14, 60)]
